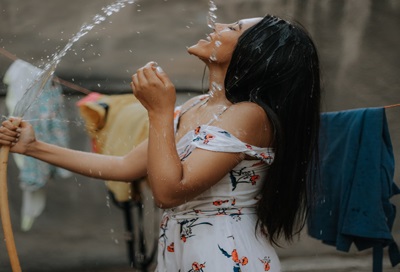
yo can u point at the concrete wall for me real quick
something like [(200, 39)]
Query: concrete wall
[(79, 230)]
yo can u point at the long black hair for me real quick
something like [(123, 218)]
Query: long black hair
[(275, 64)]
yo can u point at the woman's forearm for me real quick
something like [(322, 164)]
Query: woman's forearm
[(165, 170), (85, 163)]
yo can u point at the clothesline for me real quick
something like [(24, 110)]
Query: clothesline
[(56, 79), (86, 91), (391, 106)]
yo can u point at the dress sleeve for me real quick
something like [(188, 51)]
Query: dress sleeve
[(215, 139)]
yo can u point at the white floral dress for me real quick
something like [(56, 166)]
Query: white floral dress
[(216, 230)]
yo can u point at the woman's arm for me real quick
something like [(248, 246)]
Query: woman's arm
[(126, 168), (105, 167), (174, 182)]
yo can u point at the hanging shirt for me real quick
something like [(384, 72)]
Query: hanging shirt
[(356, 173)]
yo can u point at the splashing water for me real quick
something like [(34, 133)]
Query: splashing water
[(211, 18), (35, 89), (213, 56), (215, 87)]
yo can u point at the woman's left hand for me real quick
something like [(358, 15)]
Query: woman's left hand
[(154, 89)]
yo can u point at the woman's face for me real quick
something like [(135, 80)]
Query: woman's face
[(219, 45)]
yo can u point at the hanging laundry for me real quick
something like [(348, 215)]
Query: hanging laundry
[(47, 115), (356, 176), (106, 123)]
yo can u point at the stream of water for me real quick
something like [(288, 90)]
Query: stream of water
[(35, 89)]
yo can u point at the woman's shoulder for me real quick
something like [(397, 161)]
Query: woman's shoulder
[(247, 114), (249, 107), (248, 122)]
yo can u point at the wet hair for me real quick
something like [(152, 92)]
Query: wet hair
[(275, 64)]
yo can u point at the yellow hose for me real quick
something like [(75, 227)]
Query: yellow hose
[(5, 210)]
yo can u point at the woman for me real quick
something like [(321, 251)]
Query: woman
[(230, 168)]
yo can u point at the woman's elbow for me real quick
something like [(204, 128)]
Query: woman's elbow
[(167, 202)]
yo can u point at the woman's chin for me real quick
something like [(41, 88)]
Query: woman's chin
[(193, 50), (198, 46)]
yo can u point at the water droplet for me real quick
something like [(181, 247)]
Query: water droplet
[(216, 87), (213, 57), (211, 18), (212, 6)]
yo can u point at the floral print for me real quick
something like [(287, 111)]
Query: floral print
[(187, 228), (216, 230), (235, 258), (197, 267), (243, 176), (266, 261)]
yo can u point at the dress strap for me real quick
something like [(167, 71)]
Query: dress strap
[(203, 99), (178, 116)]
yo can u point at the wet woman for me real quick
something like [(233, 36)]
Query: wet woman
[(233, 168)]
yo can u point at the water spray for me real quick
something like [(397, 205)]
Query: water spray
[(29, 97)]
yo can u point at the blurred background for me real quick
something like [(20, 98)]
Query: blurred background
[(80, 228)]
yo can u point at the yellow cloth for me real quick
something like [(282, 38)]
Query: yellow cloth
[(116, 123)]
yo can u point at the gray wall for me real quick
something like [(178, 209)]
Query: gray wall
[(359, 51), (356, 40)]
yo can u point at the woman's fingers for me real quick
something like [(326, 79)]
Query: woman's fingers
[(8, 140), (146, 77), (162, 76), (134, 84), (9, 133), (9, 128), (149, 81), (9, 123), (139, 80)]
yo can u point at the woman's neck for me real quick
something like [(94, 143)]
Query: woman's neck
[(216, 85)]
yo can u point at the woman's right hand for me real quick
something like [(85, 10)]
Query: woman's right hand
[(153, 88), (17, 137)]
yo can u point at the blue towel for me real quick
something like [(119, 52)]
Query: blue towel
[(357, 169)]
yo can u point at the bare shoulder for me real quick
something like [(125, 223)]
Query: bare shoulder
[(248, 122), (247, 115)]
